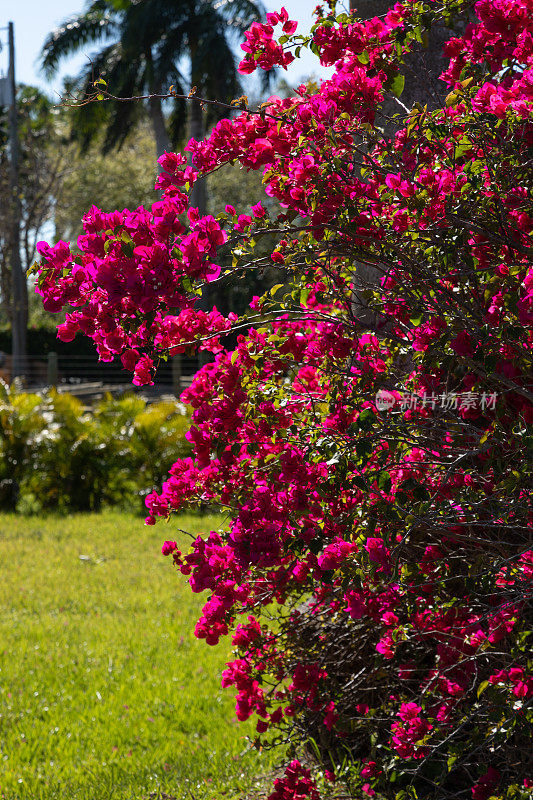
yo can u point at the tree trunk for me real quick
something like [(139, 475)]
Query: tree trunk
[(162, 142), (197, 131)]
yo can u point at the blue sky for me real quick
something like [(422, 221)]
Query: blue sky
[(33, 19)]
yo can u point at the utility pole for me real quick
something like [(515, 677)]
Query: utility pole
[(18, 314)]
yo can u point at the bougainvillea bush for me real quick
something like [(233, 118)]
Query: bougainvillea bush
[(370, 437)]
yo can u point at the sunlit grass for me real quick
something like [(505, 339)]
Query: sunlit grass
[(104, 691)]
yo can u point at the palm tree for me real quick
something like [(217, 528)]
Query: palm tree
[(147, 45)]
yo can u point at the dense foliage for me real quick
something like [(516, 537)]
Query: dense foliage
[(57, 456), (371, 434), (41, 165)]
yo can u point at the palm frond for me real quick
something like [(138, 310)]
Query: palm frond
[(98, 23), (177, 119), (149, 41), (150, 22), (126, 79), (123, 117), (87, 119), (239, 14), (86, 123), (167, 52), (213, 82)]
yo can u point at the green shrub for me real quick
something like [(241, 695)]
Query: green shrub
[(158, 438), (21, 421), (74, 457), (57, 456)]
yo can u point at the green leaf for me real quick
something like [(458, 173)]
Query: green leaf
[(451, 98), (304, 294), (384, 482), (397, 85), (275, 288)]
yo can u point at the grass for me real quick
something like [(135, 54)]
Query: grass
[(105, 694)]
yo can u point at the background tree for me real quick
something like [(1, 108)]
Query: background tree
[(42, 164), (124, 179), (146, 45), (146, 48)]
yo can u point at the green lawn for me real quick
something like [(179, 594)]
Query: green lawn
[(104, 691)]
